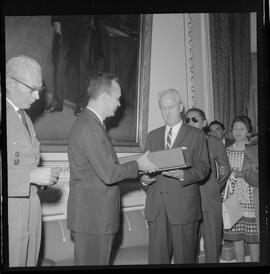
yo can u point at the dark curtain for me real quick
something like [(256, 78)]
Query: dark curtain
[(230, 55), (253, 96)]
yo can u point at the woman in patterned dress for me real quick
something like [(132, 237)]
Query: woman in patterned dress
[(246, 229)]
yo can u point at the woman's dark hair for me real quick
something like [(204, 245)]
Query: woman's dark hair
[(215, 122), (243, 119)]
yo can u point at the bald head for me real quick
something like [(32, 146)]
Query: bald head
[(23, 79)]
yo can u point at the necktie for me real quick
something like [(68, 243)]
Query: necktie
[(21, 112), (169, 139)]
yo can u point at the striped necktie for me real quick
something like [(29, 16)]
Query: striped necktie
[(22, 114), (169, 139)]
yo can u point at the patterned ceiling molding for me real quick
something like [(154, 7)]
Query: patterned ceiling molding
[(190, 64)]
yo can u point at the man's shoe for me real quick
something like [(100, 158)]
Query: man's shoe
[(78, 110), (53, 108)]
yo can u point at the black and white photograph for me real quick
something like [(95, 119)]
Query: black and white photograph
[(134, 137)]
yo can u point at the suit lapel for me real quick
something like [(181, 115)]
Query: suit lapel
[(31, 130), (162, 139), (180, 136), (103, 129), (17, 122)]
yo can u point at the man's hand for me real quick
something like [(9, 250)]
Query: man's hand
[(147, 180), (145, 164), (45, 176), (176, 173)]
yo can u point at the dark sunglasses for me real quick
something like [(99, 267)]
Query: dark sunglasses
[(33, 89), (194, 120)]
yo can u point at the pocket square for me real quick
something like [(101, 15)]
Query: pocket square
[(183, 148)]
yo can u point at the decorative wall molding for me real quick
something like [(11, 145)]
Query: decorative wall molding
[(207, 67), (190, 63)]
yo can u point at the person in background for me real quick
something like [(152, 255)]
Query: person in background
[(210, 227), (71, 53), (251, 173), (217, 129), (93, 207), (246, 229), (173, 207), (23, 85)]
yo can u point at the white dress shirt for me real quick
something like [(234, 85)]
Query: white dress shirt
[(175, 130)]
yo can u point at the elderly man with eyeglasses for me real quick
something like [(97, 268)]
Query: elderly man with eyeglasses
[(23, 85)]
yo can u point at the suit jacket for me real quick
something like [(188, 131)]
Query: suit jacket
[(209, 189), (24, 211), (228, 142), (182, 199), (250, 165), (251, 174), (94, 199), (23, 153)]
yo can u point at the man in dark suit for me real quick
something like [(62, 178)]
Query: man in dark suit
[(23, 84), (94, 201), (173, 207), (217, 129), (210, 227)]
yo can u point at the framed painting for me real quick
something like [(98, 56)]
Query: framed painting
[(119, 44)]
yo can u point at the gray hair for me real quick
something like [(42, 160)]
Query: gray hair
[(21, 66), (172, 92)]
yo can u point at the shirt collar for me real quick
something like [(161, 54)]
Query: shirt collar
[(97, 115), (13, 105), (175, 128)]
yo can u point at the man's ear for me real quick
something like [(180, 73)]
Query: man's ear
[(181, 105), (104, 97), (205, 123)]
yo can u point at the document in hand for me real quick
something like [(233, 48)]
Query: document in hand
[(164, 159), (168, 159)]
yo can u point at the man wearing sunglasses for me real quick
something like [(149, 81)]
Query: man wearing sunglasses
[(23, 84), (173, 208), (210, 227)]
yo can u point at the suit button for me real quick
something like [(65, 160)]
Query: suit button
[(16, 161), (17, 154)]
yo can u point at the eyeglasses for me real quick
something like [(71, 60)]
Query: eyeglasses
[(33, 89), (194, 120)]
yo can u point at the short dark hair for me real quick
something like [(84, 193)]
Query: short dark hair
[(199, 111), (215, 122), (100, 83), (243, 119)]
